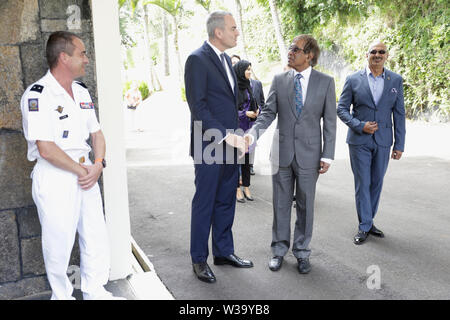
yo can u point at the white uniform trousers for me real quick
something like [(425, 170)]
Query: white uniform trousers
[(64, 209)]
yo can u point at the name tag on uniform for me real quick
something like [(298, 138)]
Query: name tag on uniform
[(33, 105), (86, 105), (63, 117), (65, 133)]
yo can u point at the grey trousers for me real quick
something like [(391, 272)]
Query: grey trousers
[(283, 191)]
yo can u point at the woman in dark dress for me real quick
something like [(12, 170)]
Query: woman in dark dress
[(248, 111)]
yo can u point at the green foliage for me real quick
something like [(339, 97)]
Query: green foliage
[(126, 87), (143, 88), (416, 33), (183, 94), (259, 28)]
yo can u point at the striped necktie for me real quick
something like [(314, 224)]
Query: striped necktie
[(298, 93)]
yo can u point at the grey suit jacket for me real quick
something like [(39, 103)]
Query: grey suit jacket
[(302, 136)]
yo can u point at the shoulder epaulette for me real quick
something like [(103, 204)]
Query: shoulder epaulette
[(37, 88), (82, 84)]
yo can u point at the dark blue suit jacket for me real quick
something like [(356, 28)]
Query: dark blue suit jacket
[(210, 98), (357, 92), (258, 92)]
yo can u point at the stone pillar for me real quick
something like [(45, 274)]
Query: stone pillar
[(26, 25)]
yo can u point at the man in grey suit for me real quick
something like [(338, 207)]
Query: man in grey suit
[(301, 97)]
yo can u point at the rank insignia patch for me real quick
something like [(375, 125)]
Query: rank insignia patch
[(59, 109), (37, 88), (86, 105), (65, 133), (33, 105)]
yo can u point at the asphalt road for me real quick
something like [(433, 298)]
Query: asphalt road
[(412, 261)]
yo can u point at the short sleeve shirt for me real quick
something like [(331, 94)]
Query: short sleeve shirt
[(50, 114)]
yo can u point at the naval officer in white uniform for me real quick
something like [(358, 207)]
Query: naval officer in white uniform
[(58, 118)]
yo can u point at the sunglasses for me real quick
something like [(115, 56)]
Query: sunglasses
[(379, 51), (296, 49)]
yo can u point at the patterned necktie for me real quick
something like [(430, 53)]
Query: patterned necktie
[(298, 93)]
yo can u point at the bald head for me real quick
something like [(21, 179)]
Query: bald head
[(377, 43), (377, 56)]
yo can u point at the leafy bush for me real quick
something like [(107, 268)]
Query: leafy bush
[(143, 88), (416, 33)]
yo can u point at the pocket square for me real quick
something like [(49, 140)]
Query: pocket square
[(394, 90)]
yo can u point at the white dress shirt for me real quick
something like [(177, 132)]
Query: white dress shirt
[(304, 81), (227, 68)]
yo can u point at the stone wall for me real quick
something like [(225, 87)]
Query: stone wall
[(26, 26)]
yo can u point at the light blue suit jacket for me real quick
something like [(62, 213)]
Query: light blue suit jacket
[(357, 92)]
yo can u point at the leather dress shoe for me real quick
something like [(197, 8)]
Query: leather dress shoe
[(204, 272), (360, 237), (376, 232), (233, 260), (275, 263), (303, 265)]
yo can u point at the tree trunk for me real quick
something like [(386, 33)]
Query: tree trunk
[(166, 44), (177, 50), (147, 59), (241, 43), (278, 33)]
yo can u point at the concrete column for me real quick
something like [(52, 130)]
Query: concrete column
[(105, 17)]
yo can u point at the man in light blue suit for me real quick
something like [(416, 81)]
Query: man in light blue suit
[(377, 97)]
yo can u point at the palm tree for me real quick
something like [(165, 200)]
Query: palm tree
[(153, 83), (278, 33), (242, 43), (174, 8), (206, 4)]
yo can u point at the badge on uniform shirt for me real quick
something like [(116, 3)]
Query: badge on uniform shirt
[(65, 133), (33, 105), (59, 109), (86, 105), (63, 117)]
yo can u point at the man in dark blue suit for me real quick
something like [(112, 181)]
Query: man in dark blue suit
[(211, 92), (377, 97)]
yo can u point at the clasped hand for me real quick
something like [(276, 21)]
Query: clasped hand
[(93, 173), (240, 143), (370, 127)]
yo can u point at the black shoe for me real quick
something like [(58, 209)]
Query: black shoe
[(303, 265), (275, 263), (242, 200), (252, 172), (376, 232), (204, 272), (249, 198), (233, 260), (360, 237)]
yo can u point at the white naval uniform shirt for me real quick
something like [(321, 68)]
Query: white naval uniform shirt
[(50, 114)]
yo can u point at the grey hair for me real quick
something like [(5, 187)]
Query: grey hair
[(216, 20)]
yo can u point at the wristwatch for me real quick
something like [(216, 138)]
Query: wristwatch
[(102, 160)]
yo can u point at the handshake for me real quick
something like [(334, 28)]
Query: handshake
[(240, 143)]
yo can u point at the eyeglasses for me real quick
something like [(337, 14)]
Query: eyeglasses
[(379, 51), (296, 49)]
